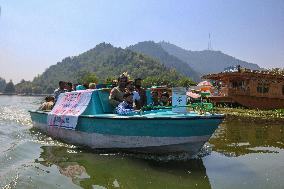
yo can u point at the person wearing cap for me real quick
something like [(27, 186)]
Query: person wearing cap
[(126, 106), (116, 94)]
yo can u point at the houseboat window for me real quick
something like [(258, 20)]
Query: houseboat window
[(262, 89), (237, 84)]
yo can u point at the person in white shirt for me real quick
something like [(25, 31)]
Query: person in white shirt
[(136, 97)]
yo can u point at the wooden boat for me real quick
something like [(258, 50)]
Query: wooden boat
[(252, 89), (157, 131)]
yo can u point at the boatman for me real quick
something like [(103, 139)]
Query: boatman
[(116, 94), (126, 106)]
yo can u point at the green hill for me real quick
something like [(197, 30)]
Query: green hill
[(106, 61), (206, 61), (156, 51)]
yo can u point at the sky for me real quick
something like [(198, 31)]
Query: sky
[(35, 34)]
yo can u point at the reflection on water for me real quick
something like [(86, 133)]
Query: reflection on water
[(237, 137), (241, 154), (110, 171)]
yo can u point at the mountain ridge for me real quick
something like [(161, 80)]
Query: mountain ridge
[(105, 61), (155, 50), (199, 60)]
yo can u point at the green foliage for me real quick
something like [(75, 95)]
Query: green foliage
[(2, 84), (105, 63), (89, 78), (10, 88), (28, 87), (185, 82)]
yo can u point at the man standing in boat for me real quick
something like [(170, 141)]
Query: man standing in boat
[(116, 94)]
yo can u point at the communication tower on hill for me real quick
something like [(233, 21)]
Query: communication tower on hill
[(209, 43)]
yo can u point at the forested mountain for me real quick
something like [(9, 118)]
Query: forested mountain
[(105, 61), (156, 51), (206, 61), (156, 63)]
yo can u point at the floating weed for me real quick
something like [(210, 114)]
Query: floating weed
[(255, 114)]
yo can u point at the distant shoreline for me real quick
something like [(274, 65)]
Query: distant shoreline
[(19, 94)]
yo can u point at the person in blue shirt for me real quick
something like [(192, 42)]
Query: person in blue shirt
[(126, 106)]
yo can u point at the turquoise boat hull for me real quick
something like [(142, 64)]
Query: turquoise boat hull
[(155, 132), (138, 133)]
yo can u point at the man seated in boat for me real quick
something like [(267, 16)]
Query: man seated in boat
[(59, 90), (48, 104), (126, 106), (92, 86), (84, 86), (116, 94), (69, 87), (155, 99), (165, 101), (141, 91), (136, 97)]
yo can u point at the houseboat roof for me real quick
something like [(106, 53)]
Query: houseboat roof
[(247, 74)]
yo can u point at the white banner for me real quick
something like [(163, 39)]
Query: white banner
[(67, 109), (179, 100)]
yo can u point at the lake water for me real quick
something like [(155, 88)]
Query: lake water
[(241, 154)]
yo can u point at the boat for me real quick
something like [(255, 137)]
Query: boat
[(160, 131), (249, 88)]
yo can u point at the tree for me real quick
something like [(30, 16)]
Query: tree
[(10, 88), (2, 84), (185, 82), (89, 78)]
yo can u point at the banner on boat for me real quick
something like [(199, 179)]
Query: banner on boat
[(179, 100), (68, 108)]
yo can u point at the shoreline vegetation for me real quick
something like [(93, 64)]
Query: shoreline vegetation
[(255, 115), (22, 94)]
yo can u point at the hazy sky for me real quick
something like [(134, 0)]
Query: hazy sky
[(35, 34)]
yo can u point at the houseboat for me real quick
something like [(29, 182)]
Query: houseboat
[(251, 89)]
